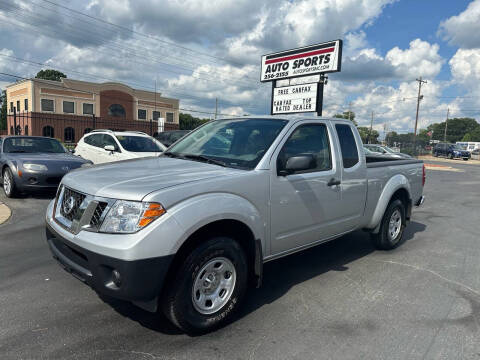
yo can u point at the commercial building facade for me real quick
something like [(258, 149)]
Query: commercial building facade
[(69, 108)]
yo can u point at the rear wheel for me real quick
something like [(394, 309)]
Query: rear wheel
[(9, 187), (450, 156), (208, 287), (465, 159), (392, 227), (435, 154)]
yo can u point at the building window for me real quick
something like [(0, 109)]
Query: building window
[(87, 109), (11, 106), (26, 129), (26, 104), (18, 105), (48, 131), (116, 110), (69, 135), (156, 115), (69, 107), (169, 117), (47, 105), (11, 130), (142, 114), (87, 130)]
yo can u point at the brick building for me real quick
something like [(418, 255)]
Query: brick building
[(70, 108)]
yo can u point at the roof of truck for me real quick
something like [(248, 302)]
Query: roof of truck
[(285, 117)]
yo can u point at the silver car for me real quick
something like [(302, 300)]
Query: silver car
[(188, 232), (34, 163)]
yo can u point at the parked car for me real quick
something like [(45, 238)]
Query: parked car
[(189, 231), (386, 151), (450, 151), (101, 146), (369, 152), (167, 138), (34, 163)]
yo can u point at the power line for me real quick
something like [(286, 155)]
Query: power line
[(16, 59), (106, 96)]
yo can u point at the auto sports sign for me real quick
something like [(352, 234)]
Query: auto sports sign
[(309, 60)]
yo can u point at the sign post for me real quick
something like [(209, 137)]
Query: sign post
[(301, 62)]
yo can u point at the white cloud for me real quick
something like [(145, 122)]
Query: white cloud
[(462, 30), (465, 66), (421, 58)]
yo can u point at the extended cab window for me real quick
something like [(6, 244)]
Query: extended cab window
[(94, 140), (348, 145), (311, 139)]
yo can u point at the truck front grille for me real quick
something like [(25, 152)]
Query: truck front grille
[(71, 202), (95, 221)]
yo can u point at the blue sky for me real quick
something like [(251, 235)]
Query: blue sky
[(198, 51)]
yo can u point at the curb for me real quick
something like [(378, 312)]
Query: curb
[(5, 213)]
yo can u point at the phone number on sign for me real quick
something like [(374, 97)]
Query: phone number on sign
[(277, 75)]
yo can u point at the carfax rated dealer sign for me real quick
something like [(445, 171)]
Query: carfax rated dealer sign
[(295, 98), (309, 60)]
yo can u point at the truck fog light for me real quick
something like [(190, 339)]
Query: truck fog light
[(116, 278)]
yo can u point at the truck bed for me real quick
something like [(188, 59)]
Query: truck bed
[(381, 161)]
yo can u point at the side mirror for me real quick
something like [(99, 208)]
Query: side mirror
[(298, 163), (110, 148)]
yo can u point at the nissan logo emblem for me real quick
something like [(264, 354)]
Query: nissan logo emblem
[(68, 205)]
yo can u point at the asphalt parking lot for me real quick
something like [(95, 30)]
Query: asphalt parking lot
[(340, 300)]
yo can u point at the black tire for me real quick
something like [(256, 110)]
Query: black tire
[(12, 192), (383, 240), (435, 154), (450, 156), (177, 302), (465, 159)]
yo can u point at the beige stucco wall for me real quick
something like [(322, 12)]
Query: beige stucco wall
[(19, 92), (86, 92)]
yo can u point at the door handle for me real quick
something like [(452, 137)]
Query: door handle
[(333, 182)]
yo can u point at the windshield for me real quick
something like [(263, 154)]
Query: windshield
[(457, 147), (32, 145), (140, 143), (236, 142)]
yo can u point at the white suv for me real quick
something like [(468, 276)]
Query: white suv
[(101, 146)]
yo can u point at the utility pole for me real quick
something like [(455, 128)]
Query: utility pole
[(371, 128), (216, 108), (419, 97), (350, 111), (446, 125)]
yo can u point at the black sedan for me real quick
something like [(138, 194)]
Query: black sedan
[(34, 163)]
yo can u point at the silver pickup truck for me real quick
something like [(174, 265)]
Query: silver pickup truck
[(189, 231)]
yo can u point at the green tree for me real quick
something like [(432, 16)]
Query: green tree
[(367, 137), (347, 115), (189, 122), (50, 74), (3, 112), (473, 135), (457, 128)]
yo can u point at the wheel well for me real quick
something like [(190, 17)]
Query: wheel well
[(234, 228), (3, 169), (402, 195)]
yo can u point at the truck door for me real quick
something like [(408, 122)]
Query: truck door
[(353, 177), (305, 206)]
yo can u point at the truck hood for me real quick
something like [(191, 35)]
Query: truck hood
[(134, 179)]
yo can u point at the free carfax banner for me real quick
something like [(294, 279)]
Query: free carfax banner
[(309, 60)]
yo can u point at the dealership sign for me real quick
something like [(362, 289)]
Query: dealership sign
[(294, 99), (309, 60)]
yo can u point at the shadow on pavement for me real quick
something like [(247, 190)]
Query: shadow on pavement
[(280, 275)]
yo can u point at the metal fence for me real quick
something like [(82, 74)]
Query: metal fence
[(70, 128)]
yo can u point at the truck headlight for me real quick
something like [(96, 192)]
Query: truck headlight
[(130, 216), (35, 167)]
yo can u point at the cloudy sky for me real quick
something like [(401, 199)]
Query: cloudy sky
[(199, 50)]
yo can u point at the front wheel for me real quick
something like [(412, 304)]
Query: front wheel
[(208, 287), (465, 159), (450, 156), (391, 228), (9, 187)]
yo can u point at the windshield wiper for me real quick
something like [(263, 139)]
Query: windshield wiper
[(195, 157), (205, 159)]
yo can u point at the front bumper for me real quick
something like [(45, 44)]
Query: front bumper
[(141, 281), (37, 180)]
